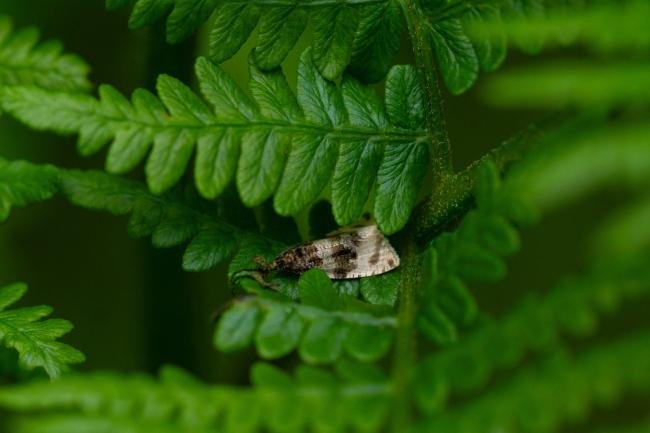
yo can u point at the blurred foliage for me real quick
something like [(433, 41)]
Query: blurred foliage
[(430, 346)]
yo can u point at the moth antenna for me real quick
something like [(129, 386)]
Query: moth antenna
[(259, 278)]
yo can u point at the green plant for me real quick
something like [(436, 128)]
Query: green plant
[(410, 350)]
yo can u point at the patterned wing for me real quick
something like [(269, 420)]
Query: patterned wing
[(357, 253)]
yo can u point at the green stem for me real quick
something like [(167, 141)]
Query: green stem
[(405, 355), (452, 197), (425, 65)]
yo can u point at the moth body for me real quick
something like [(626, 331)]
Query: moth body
[(355, 252)]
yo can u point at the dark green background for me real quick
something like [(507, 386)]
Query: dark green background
[(133, 307)]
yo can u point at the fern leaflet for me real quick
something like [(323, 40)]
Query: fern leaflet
[(473, 253), (22, 183), (347, 136), (25, 62), (536, 324), (364, 34), (278, 402), (529, 401), (34, 339), (323, 326)]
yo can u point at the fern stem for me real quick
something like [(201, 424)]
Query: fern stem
[(405, 354), (424, 62), (452, 197)]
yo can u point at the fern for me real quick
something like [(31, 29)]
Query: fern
[(35, 339), (365, 34), (347, 136), (582, 163), (606, 80), (530, 403), (584, 84), (468, 36), (22, 183), (279, 402), (406, 351), (473, 253), (25, 62), (537, 324), (583, 26), (166, 219), (323, 326)]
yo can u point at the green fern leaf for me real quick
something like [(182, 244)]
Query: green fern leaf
[(584, 84), (377, 40), (317, 290), (572, 309), (26, 62), (22, 183), (178, 402), (233, 25), (323, 326), (529, 403), (237, 327), (279, 30), (455, 55), (364, 34), (167, 220), (279, 333), (381, 289), (473, 253), (527, 10), (333, 39), (35, 339), (581, 23), (593, 163), (341, 134), (490, 47)]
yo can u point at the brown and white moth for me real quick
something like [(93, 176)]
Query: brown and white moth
[(351, 252)]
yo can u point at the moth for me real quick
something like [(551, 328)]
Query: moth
[(351, 252)]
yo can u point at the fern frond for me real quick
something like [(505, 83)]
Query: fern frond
[(167, 220), (278, 402), (67, 423), (536, 324), (467, 35), (590, 26), (22, 183), (323, 326), (364, 34), (26, 62), (614, 83), (530, 402), (344, 135), (473, 253), (583, 84), (34, 339), (578, 164)]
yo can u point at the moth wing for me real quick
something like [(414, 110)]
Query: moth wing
[(357, 252), (375, 254)]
